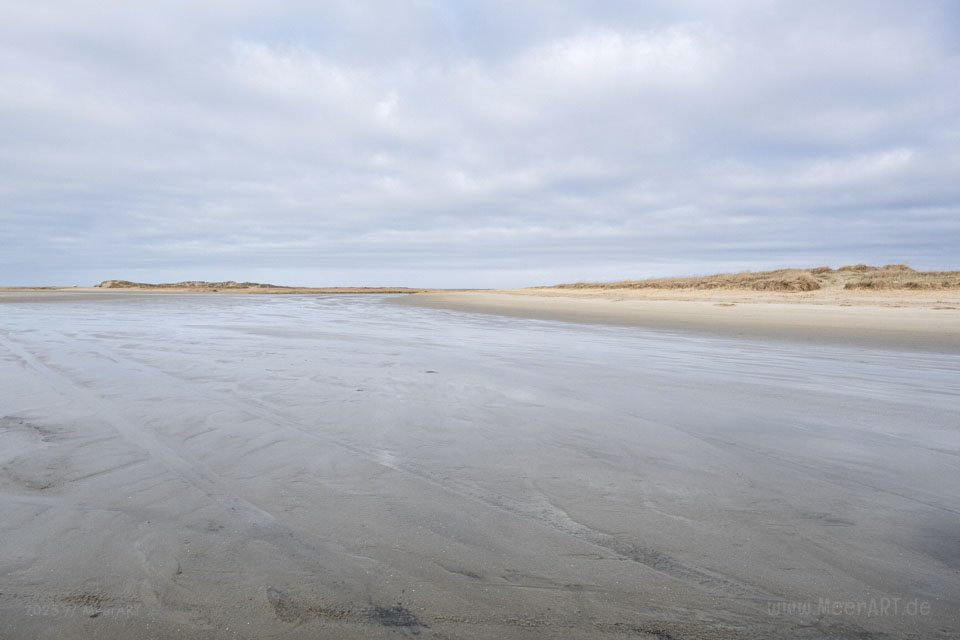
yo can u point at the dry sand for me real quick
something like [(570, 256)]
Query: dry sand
[(895, 319), (217, 466)]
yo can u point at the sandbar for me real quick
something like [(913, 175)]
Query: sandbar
[(899, 320)]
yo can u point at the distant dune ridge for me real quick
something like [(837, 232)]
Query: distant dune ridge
[(245, 287), (859, 276), (188, 284), (891, 277)]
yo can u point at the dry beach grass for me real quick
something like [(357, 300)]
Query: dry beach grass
[(860, 276)]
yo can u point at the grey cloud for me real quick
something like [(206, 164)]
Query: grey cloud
[(473, 143)]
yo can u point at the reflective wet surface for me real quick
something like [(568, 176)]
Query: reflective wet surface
[(309, 466)]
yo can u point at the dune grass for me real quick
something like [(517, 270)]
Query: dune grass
[(859, 276)]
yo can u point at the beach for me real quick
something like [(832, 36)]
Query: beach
[(927, 320), (478, 464)]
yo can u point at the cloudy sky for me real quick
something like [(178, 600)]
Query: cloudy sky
[(486, 143)]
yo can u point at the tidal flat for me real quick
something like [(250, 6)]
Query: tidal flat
[(321, 466)]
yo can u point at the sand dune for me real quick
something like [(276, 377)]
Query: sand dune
[(849, 277), (231, 286)]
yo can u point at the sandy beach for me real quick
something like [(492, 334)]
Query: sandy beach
[(480, 320), (231, 466), (891, 319)]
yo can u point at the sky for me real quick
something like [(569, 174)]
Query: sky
[(487, 143)]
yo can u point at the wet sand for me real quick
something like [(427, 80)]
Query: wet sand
[(221, 466)]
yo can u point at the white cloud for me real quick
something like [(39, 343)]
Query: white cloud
[(614, 60)]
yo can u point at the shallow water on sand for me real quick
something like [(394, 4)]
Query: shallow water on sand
[(337, 466)]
